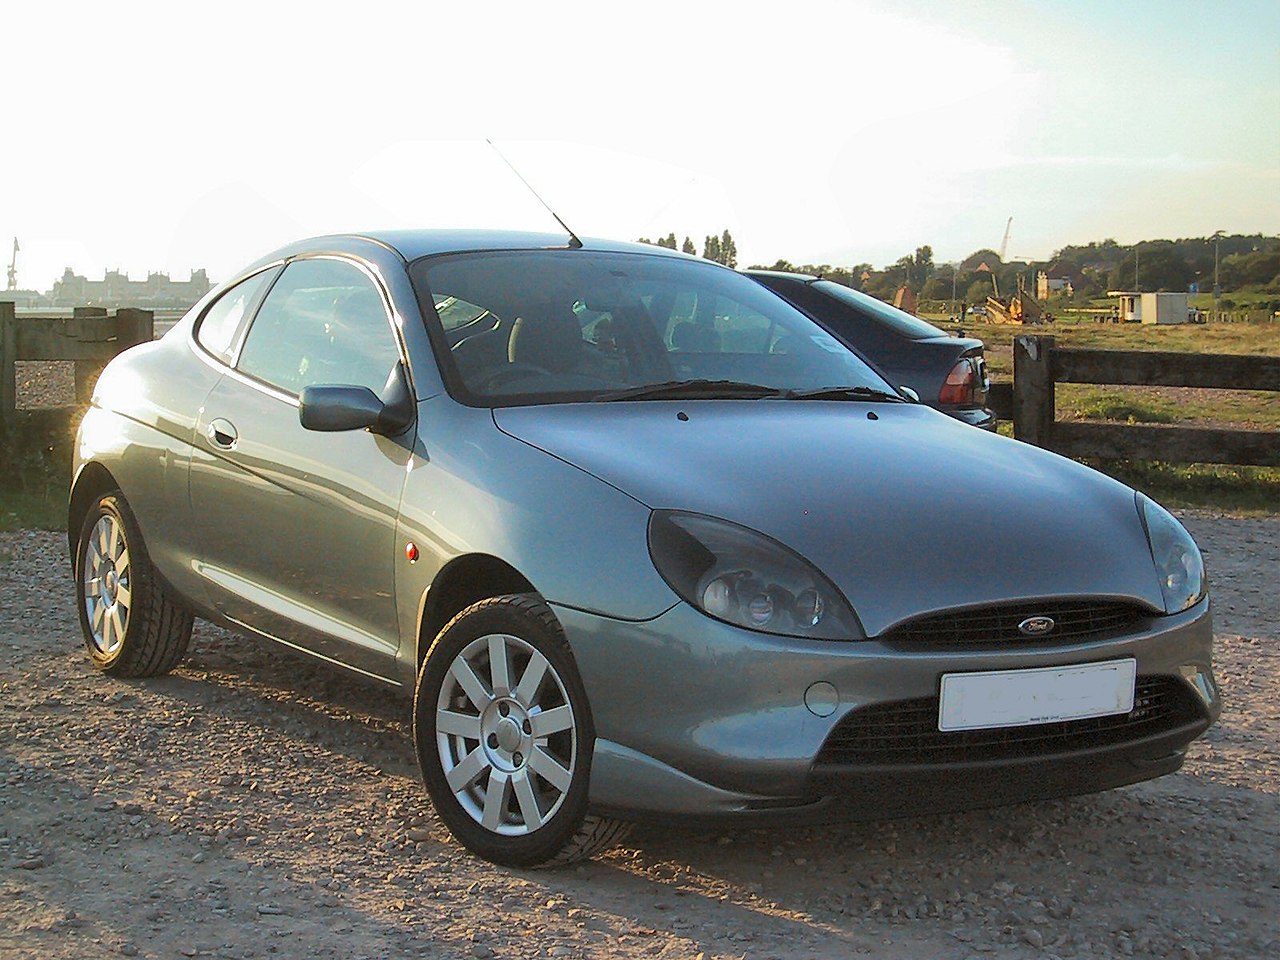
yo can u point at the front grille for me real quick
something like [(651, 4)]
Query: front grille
[(1073, 620), (906, 732)]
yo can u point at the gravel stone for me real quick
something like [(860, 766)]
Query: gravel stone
[(252, 783)]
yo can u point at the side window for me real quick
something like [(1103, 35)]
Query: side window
[(322, 322), (221, 324)]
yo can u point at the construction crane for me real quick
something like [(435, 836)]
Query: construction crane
[(1004, 244), (13, 267), (1022, 306)]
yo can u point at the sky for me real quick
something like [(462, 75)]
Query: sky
[(168, 136)]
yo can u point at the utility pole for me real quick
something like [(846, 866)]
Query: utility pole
[(13, 267), (1217, 290), (1136, 288)]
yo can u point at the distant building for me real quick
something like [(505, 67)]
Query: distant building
[(904, 299), (117, 290), (25, 299), (1162, 308), (1047, 286)]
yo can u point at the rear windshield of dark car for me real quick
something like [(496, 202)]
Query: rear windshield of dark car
[(543, 326), (902, 323)]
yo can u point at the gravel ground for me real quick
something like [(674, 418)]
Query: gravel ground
[(253, 804), (44, 383)]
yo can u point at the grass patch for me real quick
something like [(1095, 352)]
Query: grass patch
[(1191, 406), (1241, 490), (1116, 406), (35, 470), (1249, 339), (45, 509)]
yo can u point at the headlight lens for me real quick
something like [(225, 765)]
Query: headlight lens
[(744, 578), (1177, 558)]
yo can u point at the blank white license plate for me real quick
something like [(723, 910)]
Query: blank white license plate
[(1019, 698)]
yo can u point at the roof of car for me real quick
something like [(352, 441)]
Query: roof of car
[(413, 244), (784, 274)]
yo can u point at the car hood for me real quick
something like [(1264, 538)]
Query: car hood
[(907, 511)]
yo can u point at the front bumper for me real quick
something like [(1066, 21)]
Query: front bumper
[(698, 718)]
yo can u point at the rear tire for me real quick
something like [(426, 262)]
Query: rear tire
[(132, 624), (504, 736)]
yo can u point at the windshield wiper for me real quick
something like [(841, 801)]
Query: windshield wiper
[(694, 390), (702, 389), (844, 393)]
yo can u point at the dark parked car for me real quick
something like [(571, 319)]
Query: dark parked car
[(641, 538), (949, 373)]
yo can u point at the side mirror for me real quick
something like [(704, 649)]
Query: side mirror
[(909, 394), (332, 408)]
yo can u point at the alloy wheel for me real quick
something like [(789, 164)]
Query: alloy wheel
[(506, 734), (108, 596)]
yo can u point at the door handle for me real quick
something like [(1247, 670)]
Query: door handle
[(222, 433)]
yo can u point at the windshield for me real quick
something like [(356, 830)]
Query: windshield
[(568, 325), (898, 320)]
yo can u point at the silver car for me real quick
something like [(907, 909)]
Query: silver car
[(643, 541)]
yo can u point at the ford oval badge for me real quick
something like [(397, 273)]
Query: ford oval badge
[(1036, 626)]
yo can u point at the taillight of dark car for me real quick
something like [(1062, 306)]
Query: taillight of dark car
[(965, 385)]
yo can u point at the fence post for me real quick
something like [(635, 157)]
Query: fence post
[(86, 370), (1033, 394), (8, 368), (134, 326)]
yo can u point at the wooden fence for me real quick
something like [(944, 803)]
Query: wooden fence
[(89, 338), (1038, 365)]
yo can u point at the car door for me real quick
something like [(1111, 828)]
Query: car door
[(295, 529)]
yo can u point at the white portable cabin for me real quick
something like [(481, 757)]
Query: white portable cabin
[(1138, 307)]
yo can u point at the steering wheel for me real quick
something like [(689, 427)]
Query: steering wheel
[(509, 372)]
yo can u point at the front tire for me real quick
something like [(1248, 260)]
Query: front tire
[(132, 625), (504, 737)]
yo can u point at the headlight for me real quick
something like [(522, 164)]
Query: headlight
[(744, 578), (1177, 558)]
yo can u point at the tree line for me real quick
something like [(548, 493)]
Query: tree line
[(720, 248), (1246, 263)]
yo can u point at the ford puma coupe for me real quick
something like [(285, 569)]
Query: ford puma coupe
[(642, 539)]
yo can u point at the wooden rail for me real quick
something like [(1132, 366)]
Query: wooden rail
[(1038, 365), (89, 338)]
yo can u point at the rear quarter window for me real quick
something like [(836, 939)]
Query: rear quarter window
[(220, 327)]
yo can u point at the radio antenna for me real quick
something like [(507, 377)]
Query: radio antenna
[(573, 237)]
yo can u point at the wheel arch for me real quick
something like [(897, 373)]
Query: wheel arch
[(91, 483), (461, 582)]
